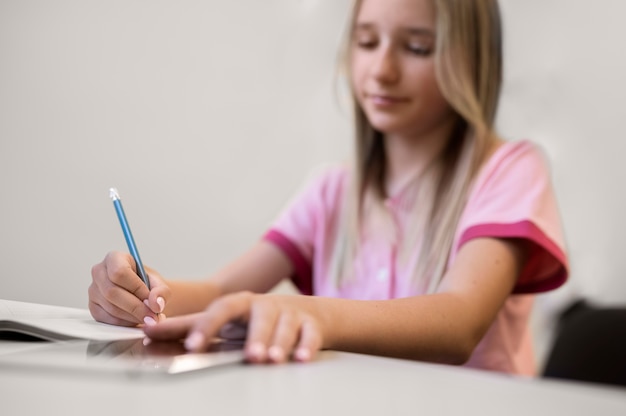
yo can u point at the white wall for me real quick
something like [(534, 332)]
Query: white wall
[(564, 88), (207, 115)]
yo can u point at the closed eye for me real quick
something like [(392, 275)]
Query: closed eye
[(366, 44), (419, 50)]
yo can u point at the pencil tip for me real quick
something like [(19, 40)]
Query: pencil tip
[(113, 194)]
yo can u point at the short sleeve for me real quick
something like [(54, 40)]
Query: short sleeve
[(304, 226), (513, 197)]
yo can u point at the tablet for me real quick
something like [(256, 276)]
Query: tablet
[(132, 357)]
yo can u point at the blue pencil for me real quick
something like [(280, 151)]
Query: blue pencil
[(128, 235)]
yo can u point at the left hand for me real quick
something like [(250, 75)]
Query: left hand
[(280, 327)]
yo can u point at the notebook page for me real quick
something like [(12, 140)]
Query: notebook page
[(59, 323)]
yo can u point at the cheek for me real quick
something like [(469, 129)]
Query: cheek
[(358, 72), (431, 90), (439, 111)]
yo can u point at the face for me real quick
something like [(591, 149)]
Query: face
[(393, 67)]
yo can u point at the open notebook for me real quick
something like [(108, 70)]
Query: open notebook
[(57, 323), (84, 344)]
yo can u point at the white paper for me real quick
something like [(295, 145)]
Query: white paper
[(59, 323)]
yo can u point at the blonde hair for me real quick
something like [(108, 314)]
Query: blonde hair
[(468, 65)]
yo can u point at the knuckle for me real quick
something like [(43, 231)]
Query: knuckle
[(288, 318), (109, 292), (116, 275), (92, 291), (95, 311), (225, 305), (100, 314), (262, 301), (95, 271), (314, 332), (231, 305), (137, 287), (111, 256), (137, 310), (246, 296), (220, 305), (260, 307)]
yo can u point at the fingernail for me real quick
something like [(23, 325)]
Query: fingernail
[(161, 303), (146, 341), (303, 354), (145, 302), (276, 354), (148, 320), (257, 351), (162, 317), (194, 341)]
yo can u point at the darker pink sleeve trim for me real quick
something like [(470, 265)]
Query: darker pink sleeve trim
[(303, 277), (546, 252)]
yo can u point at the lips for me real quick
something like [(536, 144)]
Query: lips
[(385, 100)]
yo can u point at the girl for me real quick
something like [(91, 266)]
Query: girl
[(420, 249)]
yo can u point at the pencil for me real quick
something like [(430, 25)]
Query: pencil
[(128, 235)]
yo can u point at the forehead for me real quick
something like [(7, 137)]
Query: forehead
[(392, 14)]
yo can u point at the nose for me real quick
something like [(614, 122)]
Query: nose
[(385, 68)]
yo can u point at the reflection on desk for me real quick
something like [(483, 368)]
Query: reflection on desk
[(133, 357), (334, 384)]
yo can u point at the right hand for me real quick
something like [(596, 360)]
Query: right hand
[(118, 296)]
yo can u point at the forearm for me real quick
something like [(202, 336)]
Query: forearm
[(436, 328), (258, 270), (443, 327), (190, 296)]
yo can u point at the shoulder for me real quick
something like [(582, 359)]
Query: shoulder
[(514, 160), (515, 179), (519, 152), (326, 181), (513, 197), (329, 173), (321, 191), (515, 171)]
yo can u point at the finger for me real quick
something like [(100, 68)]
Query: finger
[(171, 329), (285, 337), (101, 315), (120, 270), (109, 309), (234, 307), (119, 287), (121, 303), (159, 294), (263, 320), (310, 341)]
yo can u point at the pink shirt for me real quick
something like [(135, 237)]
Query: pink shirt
[(512, 196)]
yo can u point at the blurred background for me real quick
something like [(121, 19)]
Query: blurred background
[(209, 115)]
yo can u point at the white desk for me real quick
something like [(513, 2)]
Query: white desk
[(335, 384)]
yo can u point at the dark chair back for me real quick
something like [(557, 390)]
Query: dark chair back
[(590, 345)]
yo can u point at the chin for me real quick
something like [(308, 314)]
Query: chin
[(387, 123), (387, 126)]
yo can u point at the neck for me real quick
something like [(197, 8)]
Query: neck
[(409, 155)]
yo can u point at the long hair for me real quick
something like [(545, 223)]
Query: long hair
[(468, 65)]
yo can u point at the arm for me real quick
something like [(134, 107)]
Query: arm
[(118, 296), (443, 327)]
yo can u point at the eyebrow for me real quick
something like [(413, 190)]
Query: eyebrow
[(414, 31)]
